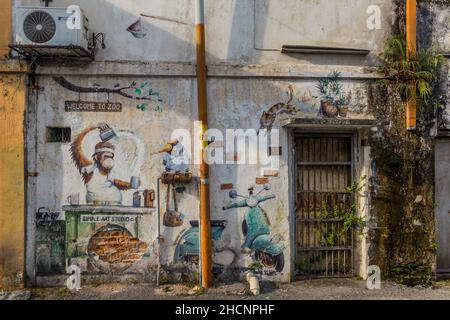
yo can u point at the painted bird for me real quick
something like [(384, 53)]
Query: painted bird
[(176, 157)]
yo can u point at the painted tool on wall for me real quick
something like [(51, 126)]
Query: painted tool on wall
[(106, 133), (255, 228), (172, 218)]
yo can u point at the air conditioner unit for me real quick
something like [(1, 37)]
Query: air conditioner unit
[(49, 26)]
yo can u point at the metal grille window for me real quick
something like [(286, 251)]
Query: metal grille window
[(58, 134), (324, 171)]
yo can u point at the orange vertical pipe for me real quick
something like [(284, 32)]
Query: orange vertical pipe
[(411, 42), (205, 215)]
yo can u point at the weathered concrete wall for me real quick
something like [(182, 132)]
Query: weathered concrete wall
[(12, 159), (6, 20), (247, 76), (238, 31), (236, 104), (246, 80), (12, 176)]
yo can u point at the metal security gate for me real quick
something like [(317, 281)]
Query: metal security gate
[(324, 171)]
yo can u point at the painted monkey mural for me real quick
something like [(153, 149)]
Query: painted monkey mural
[(100, 175)]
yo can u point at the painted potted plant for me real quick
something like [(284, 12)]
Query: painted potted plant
[(333, 102)]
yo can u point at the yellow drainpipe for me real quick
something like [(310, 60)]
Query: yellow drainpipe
[(205, 215), (12, 159), (411, 42)]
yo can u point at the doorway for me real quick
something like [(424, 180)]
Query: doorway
[(442, 187), (324, 171)]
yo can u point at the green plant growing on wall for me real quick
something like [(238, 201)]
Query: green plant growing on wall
[(411, 73), (413, 274), (404, 163), (255, 266), (346, 214)]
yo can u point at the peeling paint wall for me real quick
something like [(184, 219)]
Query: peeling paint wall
[(12, 186), (12, 160)]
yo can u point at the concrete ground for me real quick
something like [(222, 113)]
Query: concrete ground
[(327, 289)]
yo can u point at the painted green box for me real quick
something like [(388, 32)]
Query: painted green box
[(50, 247), (104, 239)]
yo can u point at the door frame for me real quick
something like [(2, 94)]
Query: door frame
[(354, 134), (441, 271)]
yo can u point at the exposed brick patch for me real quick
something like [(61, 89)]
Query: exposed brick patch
[(226, 186), (263, 180), (114, 246)]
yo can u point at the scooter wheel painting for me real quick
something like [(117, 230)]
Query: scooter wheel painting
[(244, 228), (270, 261)]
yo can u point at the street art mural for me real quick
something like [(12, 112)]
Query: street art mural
[(114, 249), (268, 117), (113, 172), (329, 98), (110, 162), (333, 100), (256, 228), (141, 92), (176, 160), (50, 242), (107, 243), (187, 249), (137, 29), (172, 218), (176, 157)]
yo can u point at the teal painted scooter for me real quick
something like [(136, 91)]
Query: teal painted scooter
[(256, 230)]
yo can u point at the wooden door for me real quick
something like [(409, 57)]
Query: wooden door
[(324, 171)]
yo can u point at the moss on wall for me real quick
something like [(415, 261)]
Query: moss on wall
[(402, 188)]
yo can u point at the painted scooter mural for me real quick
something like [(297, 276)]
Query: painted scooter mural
[(188, 247), (255, 228)]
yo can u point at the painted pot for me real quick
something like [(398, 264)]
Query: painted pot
[(343, 111), (329, 110)]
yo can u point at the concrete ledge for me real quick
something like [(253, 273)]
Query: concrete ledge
[(59, 280), (108, 209), (13, 66), (327, 122), (188, 70)]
